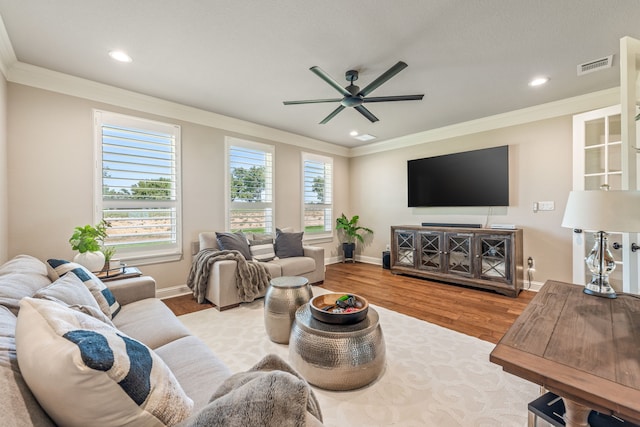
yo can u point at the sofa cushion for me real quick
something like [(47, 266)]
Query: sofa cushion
[(234, 242), (19, 406), (288, 244), (84, 372), (262, 250), (199, 371), (21, 277), (151, 322), (295, 266), (107, 302), (70, 291)]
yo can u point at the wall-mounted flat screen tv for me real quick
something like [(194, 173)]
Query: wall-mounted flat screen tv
[(471, 178)]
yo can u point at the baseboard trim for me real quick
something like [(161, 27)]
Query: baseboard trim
[(173, 291)]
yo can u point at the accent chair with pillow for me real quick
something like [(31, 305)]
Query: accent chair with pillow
[(284, 254)]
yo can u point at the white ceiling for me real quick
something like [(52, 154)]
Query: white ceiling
[(242, 58)]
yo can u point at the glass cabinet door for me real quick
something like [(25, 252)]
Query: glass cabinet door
[(430, 252), (493, 256), (597, 165), (405, 241), (458, 253)]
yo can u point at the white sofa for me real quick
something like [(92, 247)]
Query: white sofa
[(221, 288), (141, 316)]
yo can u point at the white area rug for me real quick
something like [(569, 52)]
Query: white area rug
[(433, 377)]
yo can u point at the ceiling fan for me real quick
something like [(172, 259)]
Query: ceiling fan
[(353, 96)]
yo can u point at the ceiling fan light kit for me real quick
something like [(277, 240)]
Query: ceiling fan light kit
[(353, 97)]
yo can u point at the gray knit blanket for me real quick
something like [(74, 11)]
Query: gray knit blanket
[(252, 278), (271, 394)]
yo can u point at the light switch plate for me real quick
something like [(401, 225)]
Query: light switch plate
[(546, 206)]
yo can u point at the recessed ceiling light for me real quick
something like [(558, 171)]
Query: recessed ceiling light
[(365, 137), (538, 81), (353, 133), (119, 55)]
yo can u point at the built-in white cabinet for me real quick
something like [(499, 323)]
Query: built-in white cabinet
[(597, 162)]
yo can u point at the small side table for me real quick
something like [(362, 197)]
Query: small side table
[(337, 357), (284, 295)]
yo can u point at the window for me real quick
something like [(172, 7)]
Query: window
[(138, 186), (250, 186), (317, 195)]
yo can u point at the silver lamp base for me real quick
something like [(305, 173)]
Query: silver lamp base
[(599, 286)]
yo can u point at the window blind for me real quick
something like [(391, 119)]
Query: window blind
[(250, 191), (317, 195), (140, 185)]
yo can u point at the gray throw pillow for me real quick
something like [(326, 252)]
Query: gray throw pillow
[(234, 242), (288, 244)]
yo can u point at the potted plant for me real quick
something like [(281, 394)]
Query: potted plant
[(88, 241), (352, 232)]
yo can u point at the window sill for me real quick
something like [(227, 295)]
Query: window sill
[(134, 261), (317, 239)]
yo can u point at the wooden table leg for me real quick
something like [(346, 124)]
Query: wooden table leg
[(576, 415)]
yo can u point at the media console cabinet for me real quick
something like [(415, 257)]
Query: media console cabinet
[(478, 257)]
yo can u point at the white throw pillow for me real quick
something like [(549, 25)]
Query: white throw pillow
[(86, 373)]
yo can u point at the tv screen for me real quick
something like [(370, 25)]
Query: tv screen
[(471, 178)]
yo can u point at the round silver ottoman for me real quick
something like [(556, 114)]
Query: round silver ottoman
[(284, 295), (337, 357)]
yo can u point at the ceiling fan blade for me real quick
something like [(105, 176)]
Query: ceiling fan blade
[(327, 78), (312, 101), (383, 78), (368, 114), (332, 115), (393, 98)]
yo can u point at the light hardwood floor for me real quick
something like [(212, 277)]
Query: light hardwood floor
[(482, 314)]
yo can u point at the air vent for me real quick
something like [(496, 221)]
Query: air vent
[(597, 65)]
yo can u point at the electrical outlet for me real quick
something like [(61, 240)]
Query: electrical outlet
[(530, 265)]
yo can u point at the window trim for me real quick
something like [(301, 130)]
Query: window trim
[(229, 142), (326, 235), (169, 252)]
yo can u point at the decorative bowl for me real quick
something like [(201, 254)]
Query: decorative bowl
[(323, 306)]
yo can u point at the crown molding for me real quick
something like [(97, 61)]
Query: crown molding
[(18, 72), (7, 55), (569, 106), (66, 84)]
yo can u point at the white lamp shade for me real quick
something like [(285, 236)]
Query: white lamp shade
[(599, 210)]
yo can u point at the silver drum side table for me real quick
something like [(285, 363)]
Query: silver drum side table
[(337, 357), (284, 295)]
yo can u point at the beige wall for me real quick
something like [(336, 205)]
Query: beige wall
[(4, 185), (51, 177), (540, 170)]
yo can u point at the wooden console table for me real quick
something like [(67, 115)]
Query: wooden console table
[(583, 348)]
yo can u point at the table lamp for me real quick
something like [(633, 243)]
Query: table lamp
[(602, 211)]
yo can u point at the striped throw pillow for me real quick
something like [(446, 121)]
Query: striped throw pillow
[(105, 299), (262, 250)]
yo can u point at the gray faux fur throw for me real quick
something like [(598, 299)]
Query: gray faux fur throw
[(252, 278), (271, 394)]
